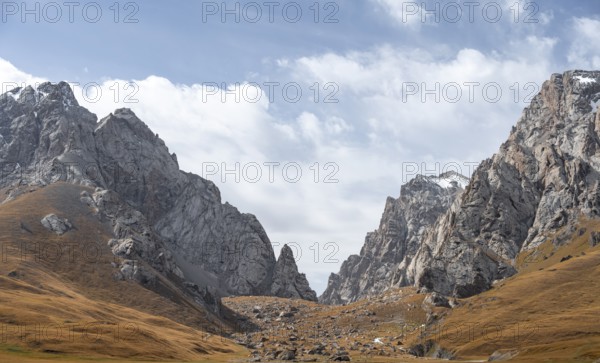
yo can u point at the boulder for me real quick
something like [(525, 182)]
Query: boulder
[(56, 224)]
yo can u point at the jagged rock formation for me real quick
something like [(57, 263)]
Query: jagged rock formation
[(173, 220), (288, 282), (389, 250), (545, 177), (133, 239)]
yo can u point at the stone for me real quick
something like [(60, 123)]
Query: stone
[(501, 355), (438, 300), (421, 349), (340, 357), (287, 355), (566, 258), (56, 225), (594, 239)]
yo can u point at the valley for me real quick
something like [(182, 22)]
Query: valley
[(118, 267)]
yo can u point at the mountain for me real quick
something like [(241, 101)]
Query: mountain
[(544, 180), (65, 294), (171, 220), (390, 249), (288, 282)]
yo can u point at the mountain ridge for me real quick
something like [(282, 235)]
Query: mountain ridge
[(541, 180), (47, 137)]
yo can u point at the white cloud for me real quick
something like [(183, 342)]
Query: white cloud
[(405, 13), (310, 126), (585, 48), (201, 128), (361, 143), (11, 77), (384, 89), (336, 125)]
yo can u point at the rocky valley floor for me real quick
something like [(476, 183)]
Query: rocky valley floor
[(74, 310)]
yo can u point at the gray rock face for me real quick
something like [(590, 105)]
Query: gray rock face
[(134, 237), (389, 250), (159, 212), (288, 282), (543, 178), (56, 225)]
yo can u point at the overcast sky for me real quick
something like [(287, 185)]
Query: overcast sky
[(358, 96)]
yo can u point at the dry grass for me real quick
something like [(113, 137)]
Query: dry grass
[(71, 309), (58, 298), (549, 312)]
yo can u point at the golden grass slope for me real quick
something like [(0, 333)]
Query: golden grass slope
[(58, 297), (548, 312)]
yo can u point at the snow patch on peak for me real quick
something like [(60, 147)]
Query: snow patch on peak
[(584, 79), (15, 93), (450, 179)]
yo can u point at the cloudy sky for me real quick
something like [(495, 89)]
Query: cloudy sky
[(317, 110)]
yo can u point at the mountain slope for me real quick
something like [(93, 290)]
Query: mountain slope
[(173, 220), (543, 178), (548, 312), (389, 250), (61, 294)]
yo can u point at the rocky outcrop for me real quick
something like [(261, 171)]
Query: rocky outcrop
[(389, 250), (288, 282), (206, 237), (174, 221), (56, 225), (134, 238), (544, 178)]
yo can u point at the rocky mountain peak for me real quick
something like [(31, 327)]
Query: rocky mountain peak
[(389, 250), (286, 254), (60, 92), (44, 94), (447, 180), (288, 282), (544, 177), (542, 180), (183, 228)]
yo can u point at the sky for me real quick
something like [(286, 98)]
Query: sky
[(307, 114)]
